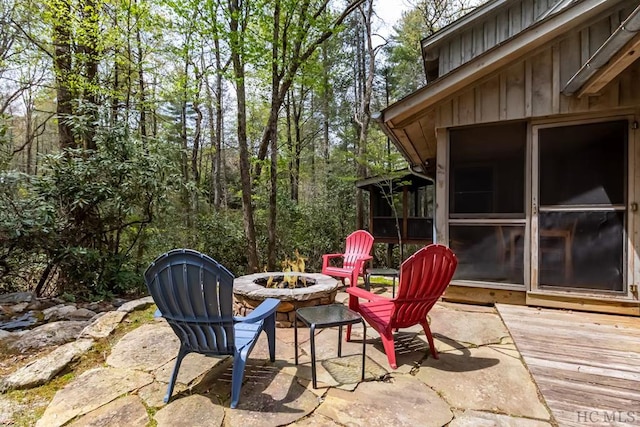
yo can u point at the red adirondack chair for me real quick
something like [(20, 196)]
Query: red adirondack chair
[(423, 279), (354, 258)]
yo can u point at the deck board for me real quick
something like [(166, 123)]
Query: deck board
[(585, 364)]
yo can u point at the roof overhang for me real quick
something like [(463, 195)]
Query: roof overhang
[(619, 51), (398, 116), (397, 180)]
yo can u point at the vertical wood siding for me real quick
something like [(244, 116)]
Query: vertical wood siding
[(532, 87), (488, 32)]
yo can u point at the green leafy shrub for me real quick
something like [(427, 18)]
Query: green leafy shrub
[(73, 228)]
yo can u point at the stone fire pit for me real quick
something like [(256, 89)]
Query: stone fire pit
[(248, 294)]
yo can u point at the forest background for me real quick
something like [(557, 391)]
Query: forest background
[(234, 127)]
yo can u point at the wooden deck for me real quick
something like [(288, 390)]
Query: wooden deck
[(587, 366)]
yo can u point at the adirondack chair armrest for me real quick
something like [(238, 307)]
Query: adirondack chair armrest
[(364, 294), (261, 312), (327, 257), (360, 262)]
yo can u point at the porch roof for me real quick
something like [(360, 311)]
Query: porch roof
[(399, 179)]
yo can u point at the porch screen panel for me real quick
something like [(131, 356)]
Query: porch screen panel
[(582, 250), (583, 164), (487, 202), (582, 185)]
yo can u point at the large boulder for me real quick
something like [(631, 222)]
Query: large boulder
[(54, 333), (41, 370)]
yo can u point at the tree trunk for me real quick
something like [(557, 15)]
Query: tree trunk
[(195, 151), (273, 130), (61, 10), (245, 171), (368, 72), (219, 164), (325, 114), (287, 108), (90, 14), (141, 84)]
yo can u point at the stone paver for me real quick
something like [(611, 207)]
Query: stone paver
[(491, 379), (7, 410), (153, 394), (273, 399), (457, 328), (487, 419), (103, 325), (333, 371), (127, 411), (90, 391), (401, 402), (315, 420), (194, 411), (147, 348), (193, 366)]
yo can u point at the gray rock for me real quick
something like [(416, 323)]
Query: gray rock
[(199, 410), (45, 368), (59, 311), (39, 304), (126, 411), (55, 333), (117, 302), (404, 401), (16, 297), (88, 392), (94, 306), (147, 348), (8, 409), (4, 335), (81, 313), (491, 379), (139, 304), (103, 326), (18, 308)]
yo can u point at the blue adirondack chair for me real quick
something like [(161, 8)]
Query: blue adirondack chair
[(194, 293)]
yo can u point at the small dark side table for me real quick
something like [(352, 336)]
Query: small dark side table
[(385, 272), (326, 316)]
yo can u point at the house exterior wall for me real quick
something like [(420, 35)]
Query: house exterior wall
[(531, 89)]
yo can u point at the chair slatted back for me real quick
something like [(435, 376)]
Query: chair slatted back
[(358, 245), (424, 276), (195, 294)]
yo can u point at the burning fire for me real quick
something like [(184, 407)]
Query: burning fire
[(289, 280)]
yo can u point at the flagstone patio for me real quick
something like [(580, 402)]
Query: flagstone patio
[(479, 380)]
